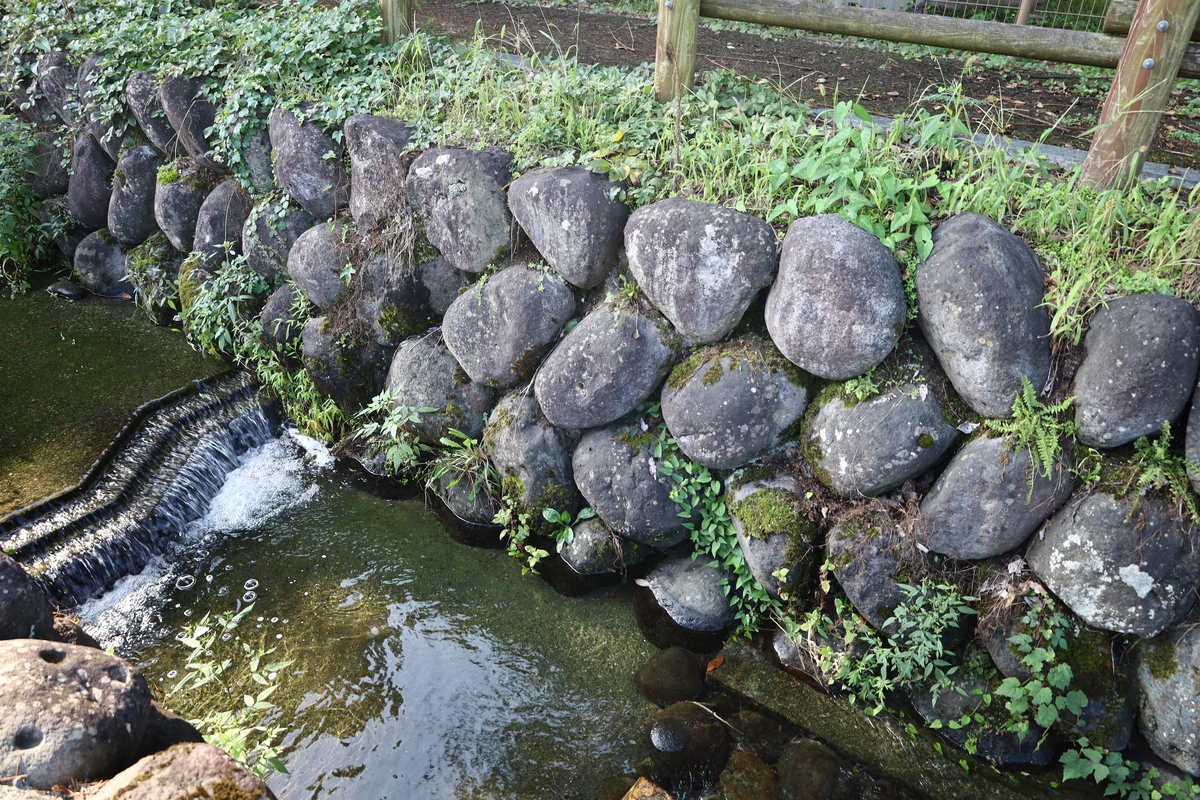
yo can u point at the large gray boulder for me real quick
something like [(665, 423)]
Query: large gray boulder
[(25, 611), (377, 170), (1141, 365), (701, 265), (342, 364), (308, 162), (443, 284), (459, 195), (615, 358), (390, 300), (131, 208), (219, 223), (178, 194), (865, 554), (872, 447), (980, 297), (56, 80), (990, 498), (729, 404), (71, 713), (424, 374), (141, 94), (1123, 565), (574, 219), (1168, 675), (772, 529), (49, 176), (689, 590), (500, 329), (273, 226), (190, 115), (617, 475), (532, 456), (837, 308), (100, 265), (316, 260), (192, 769), (90, 187)]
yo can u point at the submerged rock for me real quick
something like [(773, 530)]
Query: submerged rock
[(837, 308), (186, 770), (980, 297), (700, 264), (1142, 357), (688, 746), (71, 713), (596, 550), (673, 675), (689, 590)]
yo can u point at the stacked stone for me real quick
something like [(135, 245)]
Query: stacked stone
[(749, 344)]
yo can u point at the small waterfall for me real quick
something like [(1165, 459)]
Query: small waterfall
[(160, 473)]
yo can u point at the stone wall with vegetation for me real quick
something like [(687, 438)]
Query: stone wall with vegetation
[(885, 436)]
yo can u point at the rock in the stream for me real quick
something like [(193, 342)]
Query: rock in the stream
[(377, 170), (573, 218), (71, 713), (729, 404), (688, 746), (980, 297), (612, 360), (1123, 565), (596, 550), (615, 471), (191, 769), (500, 330), (689, 590), (100, 265), (1142, 357), (1168, 673), (990, 498), (25, 610), (459, 195), (837, 308), (873, 446), (308, 162), (673, 675), (701, 265)]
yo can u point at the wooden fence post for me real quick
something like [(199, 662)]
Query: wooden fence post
[(1140, 89), (675, 47), (398, 19)]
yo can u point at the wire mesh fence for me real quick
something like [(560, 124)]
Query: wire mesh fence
[(1078, 15)]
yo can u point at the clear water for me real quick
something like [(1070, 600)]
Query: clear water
[(422, 667)]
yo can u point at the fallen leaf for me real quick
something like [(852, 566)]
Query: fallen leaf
[(716, 662)]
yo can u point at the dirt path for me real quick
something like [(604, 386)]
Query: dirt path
[(1022, 102)]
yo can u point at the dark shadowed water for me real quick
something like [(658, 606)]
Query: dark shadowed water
[(422, 667)]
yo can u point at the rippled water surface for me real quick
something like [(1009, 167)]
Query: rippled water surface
[(422, 667)]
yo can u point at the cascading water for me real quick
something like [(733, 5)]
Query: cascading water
[(161, 473)]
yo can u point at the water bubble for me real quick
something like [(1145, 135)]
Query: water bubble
[(172, 674), (249, 597), (279, 636), (208, 578), (187, 612), (185, 582), (224, 590), (225, 637), (180, 636), (272, 676), (229, 567), (250, 584), (274, 619), (285, 622)]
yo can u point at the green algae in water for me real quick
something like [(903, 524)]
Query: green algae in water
[(423, 668), (70, 375)]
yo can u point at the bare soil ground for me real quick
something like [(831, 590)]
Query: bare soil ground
[(1021, 99)]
